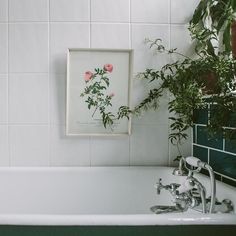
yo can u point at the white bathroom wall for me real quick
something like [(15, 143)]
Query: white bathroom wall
[(34, 36)]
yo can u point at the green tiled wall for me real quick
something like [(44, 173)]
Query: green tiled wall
[(223, 163), (201, 116), (201, 153), (218, 151), (230, 144), (203, 138)]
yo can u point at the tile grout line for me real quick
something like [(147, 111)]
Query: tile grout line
[(38, 73), (90, 25), (225, 176), (130, 31), (90, 157), (169, 143), (225, 127), (208, 156), (196, 136), (170, 5), (214, 149), (49, 89), (93, 22), (224, 144), (90, 44), (130, 45), (208, 114), (27, 124), (8, 86), (221, 178)]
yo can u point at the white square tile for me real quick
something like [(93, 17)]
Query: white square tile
[(110, 151), (3, 98), (57, 98), (28, 98), (28, 47), (28, 10), (144, 57), (3, 10), (69, 10), (29, 145), (185, 149), (68, 151), (64, 36), (110, 10), (150, 11), (149, 145), (180, 39), (4, 154), (3, 48), (182, 10), (110, 36)]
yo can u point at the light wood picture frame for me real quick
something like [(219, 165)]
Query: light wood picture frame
[(79, 121)]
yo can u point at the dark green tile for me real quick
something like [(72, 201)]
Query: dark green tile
[(205, 139), (230, 141), (204, 172), (213, 108), (218, 177), (226, 116), (201, 153), (232, 120), (201, 116), (229, 181), (223, 163), (194, 133)]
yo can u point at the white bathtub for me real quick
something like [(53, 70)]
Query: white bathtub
[(96, 196)]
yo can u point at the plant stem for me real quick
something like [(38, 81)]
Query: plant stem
[(177, 144), (169, 51), (180, 54), (95, 110), (100, 80)]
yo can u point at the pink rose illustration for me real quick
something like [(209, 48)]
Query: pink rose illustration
[(88, 76), (111, 94), (108, 67)]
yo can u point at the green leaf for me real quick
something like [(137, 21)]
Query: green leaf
[(221, 22), (233, 4), (227, 37), (177, 158), (210, 48), (198, 12)]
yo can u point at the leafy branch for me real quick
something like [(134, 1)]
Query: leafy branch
[(211, 19)]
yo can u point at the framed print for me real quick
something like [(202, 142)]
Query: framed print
[(98, 84)]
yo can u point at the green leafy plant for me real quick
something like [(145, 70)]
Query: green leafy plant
[(185, 81), (212, 19), (204, 81)]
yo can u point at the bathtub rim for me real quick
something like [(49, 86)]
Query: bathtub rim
[(119, 220)]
